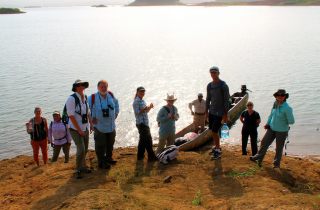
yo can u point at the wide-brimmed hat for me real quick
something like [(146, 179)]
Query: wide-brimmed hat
[(79, 81), (214, 69), (170, 98), (140, 89), (283, 91)]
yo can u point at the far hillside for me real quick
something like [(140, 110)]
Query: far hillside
[(10, 11), (155, 2), (266, 2)]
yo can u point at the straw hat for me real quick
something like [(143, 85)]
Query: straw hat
[(170, 98)]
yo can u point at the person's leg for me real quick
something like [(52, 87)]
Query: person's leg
[(141, 144), (56, 152), (196, 123), (253, 139), (170, 139), (266, 141), (145, 130), (80, 155), (280, 140), (44, 150), (245, 135), (86, 145), (202, 122), (35, 146), (162, 143), (100, 146), (66, 150), (215, 126), (110, 139)]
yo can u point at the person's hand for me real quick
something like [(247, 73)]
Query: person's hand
[(116, 116), (91, 128), (192, 113), (266, 126), (175, 117), (82, 133), (206, 116), (169, 115), (52, 145), (69, 144), (151, 105), (95, 121)]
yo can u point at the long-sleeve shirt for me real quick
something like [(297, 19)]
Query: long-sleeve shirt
[(72, 110), (105, 124), (280, 117), (167, 126), (58, 130), (139, 104), (199, 107), (217, 101)]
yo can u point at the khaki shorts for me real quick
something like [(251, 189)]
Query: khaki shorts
[(199, 119)]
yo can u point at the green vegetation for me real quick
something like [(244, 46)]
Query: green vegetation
[(301, 2), (239, 175), (265, 2), (198, 200), (155, 2), (4, 10)]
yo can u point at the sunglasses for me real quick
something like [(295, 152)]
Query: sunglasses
[(281, 95), (249, 105), (81, 84)]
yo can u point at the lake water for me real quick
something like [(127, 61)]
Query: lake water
[(166, 50)]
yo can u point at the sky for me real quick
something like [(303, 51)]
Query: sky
[(23, 3)]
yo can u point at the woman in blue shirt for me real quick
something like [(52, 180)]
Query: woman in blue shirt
[(251, 120), (277, 128)]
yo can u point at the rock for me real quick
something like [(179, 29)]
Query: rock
[(167, 179)]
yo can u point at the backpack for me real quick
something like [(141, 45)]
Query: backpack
[(221, 86), (168, 154), (65, 117), (168, 110), (66, 136), (93, 98)]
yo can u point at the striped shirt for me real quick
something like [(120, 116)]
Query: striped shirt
[(139, 104)]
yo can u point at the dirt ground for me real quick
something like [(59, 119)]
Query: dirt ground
[(192, 181)]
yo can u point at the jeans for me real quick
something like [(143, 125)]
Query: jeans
[(145, 141)]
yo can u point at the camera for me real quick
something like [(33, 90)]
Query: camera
[(84, 118), (105, 112)]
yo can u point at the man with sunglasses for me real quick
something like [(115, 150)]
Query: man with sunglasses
[(277, 128), (217, 107)]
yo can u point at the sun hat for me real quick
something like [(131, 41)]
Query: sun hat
[(283, 91), (200, 94), (140, 89), (170, 98), (214, 69), (79, 81)]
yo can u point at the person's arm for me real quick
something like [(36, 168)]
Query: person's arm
[(71, 112), (226, 97), (208, 99), (177, 115), (162, 117), (46, 127), (69, 137), (190, 107), (116, 106), (258, 120), (270, 117), (50, 134), (290, 117), (242, 116), (136, 106), (27, 125)]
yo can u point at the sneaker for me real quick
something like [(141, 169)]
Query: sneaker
[(111, 160), (78, 175), (86, 170), (216, 155), (213, 151)]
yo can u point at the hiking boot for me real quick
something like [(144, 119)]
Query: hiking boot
[(216, 155), (111, 160), (213, 151), (78, 175), (86, 170), (275, 166), (67, 161), (104, 166), (140, 158), (152, 158)]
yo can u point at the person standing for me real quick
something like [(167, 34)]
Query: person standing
[(251, 120), (141, 110), (167, 117), (62, 137), (217, 107), (277, 128), (37, 127), (105, 109), (199, 112), (79, 124)]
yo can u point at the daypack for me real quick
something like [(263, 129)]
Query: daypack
[(66, 136), (65, 117), (168, 110), (168, 154), (221, 86), (93, 98)]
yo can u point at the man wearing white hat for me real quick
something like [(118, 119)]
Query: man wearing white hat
[(167, 117), (199, 112)]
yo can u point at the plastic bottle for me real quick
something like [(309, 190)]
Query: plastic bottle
[(225, 131)]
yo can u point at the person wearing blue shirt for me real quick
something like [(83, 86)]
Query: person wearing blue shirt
[(104, 111), (167, 117), (277, 128), (141, 110)]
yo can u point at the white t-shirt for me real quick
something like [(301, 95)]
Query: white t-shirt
[(72, 111)]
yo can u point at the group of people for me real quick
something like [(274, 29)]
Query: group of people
[(98, 112)]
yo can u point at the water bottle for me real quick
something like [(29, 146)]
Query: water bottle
[(225, 131)]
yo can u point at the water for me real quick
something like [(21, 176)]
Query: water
[(166, 50), (225, 131)]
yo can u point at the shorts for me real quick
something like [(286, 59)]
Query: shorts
[(214, 123)]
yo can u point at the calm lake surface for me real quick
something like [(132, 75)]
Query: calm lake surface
[(166, 50)]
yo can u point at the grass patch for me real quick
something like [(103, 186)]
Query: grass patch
[(236, 173), (198, 200)]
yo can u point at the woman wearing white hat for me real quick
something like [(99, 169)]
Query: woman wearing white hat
[(167, 117), (79, 124)]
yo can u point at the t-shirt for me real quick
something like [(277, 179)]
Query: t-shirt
[(250, 121)]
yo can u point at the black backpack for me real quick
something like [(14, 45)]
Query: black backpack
[(168, 110), (65, 117)]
